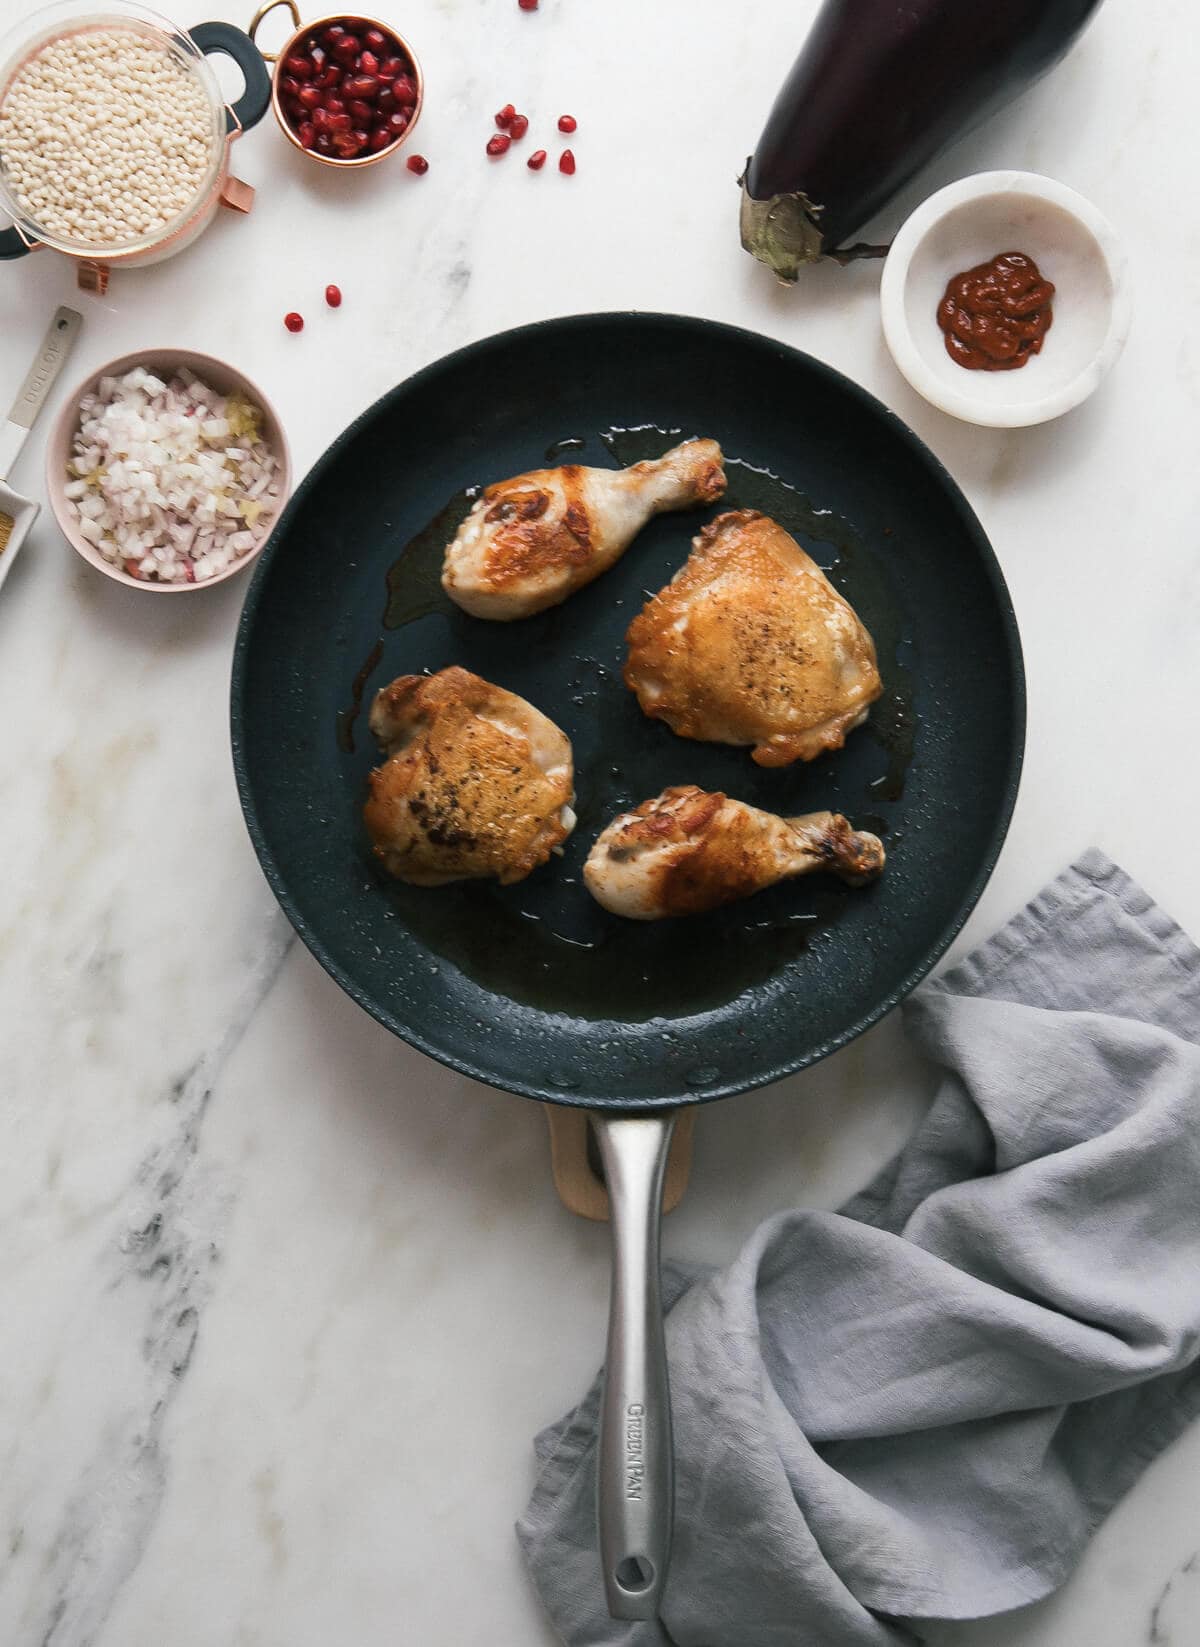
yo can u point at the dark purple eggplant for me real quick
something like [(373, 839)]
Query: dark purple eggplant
[(877, 90)]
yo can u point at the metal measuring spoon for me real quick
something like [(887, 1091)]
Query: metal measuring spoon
[(17, 514)]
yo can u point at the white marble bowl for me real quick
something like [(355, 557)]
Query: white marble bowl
[(218, 374), (972, 221)]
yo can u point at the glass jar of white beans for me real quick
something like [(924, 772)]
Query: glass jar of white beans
[(112, 130)]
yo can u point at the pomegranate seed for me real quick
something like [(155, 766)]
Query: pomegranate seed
[(518, 128), (418, 164), (344, 48), (323, 121), (316, 53), (306, 132), (381, 138), (323, 143), (369, 63), (396, 123), (376, 39), (362, 85), (566, 163), (333, 296), (362, 112), (500, 144), (536, 160), (298, 67), (294, 322), (289, 86), (505, 117), (333, 105), (333, 34), (309, 97), (386, 101), (328, 78), (404, 89), (567, 123), (340, 123), (528, 5), (361, 137)]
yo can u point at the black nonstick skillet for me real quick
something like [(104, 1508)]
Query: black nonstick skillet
[(533, 988)]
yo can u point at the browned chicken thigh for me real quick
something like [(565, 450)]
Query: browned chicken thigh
[(477, 783), (531, 541), (751, 644), (686, 851)]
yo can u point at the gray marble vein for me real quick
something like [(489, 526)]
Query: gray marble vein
[(152, 1274)]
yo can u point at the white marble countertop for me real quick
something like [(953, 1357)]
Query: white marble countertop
[(284, 1302)]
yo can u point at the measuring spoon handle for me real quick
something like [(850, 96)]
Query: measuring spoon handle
[(31, 396)]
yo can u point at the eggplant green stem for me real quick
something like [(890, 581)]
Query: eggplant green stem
[(784, 232)]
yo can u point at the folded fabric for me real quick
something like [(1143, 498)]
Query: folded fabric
[(919, 1407)]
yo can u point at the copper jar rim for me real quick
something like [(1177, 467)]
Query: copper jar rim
[(277, 59)]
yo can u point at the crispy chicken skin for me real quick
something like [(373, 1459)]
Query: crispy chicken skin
[(476, 783), (751, 644), (531, 541), (687, 851)]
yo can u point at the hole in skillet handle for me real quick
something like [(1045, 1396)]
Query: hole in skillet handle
[(256, 97), (635, 1574)]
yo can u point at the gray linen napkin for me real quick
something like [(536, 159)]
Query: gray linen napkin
[(919, 1407)]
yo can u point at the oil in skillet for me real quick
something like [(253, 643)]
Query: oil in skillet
[(545, 941)]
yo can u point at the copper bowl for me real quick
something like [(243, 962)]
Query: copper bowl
[(300, 31), (220, 376)]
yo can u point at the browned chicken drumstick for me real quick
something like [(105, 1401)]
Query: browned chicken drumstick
[(686, 851), (531, 541), (751, 644), (477, 783)]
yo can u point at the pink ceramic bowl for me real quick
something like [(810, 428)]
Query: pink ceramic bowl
[(218, 375)]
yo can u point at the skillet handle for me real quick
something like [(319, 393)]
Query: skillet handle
[(637, 1476)]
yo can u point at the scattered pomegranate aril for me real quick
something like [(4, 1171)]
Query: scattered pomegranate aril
[(500, 144), (333, 296), (520, 125), (417, 164), (567, 123), (536, 160), (506, 116), (294, 322), (566, 163), (528, 5)]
